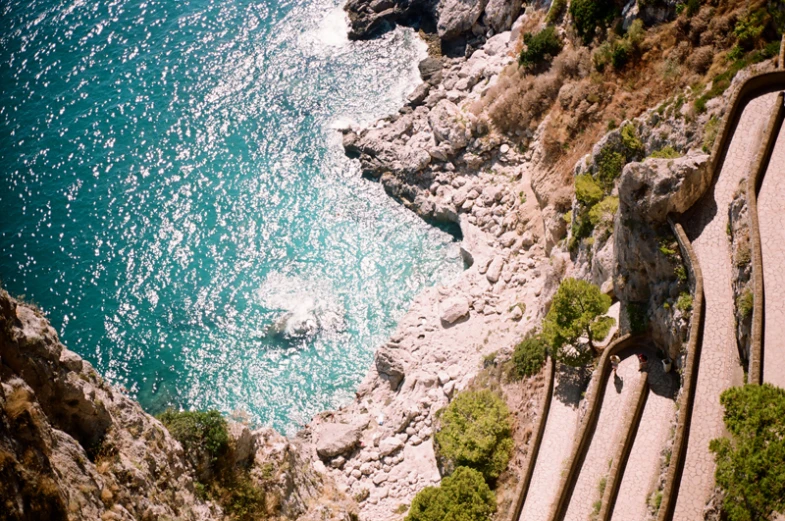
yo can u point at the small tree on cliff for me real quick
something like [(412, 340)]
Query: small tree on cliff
[(576, 312), (751, 463)]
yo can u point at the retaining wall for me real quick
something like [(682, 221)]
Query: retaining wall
[(755, 371), (545, 406), (588, 423)]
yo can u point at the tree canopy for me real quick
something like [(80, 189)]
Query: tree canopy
[(476, 432), (463, 496), (751, 463), (576, 312)]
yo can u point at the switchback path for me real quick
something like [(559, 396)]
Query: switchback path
[(718, 367), (557, 442), (771, 221), (643, 465), (618, 399)]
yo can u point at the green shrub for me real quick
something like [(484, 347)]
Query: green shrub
[(244, 501), (556, 10), (198, 431), (476, 433), (632, 144), (745, 302), (681, 273), (667, 152), (588, 15), (604, 211), (528, 357), (539, 47), (621, 52), (710, 133), (636, 316), (463, 496), (609, 167), (684, 302), (749, 28), (602, 326), (751, 462), (601, 57), (587, 191), (693, 6), (576, 308)]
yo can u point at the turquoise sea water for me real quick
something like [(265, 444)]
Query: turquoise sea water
[(174, 197)]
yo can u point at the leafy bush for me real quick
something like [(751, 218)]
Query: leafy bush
[(609, 167), (244, 501), (463, 496), (199, 432), (602, 55), (556, 10), (587, 191), (539, 47), (693, 6), (750, 27), (621, 52), (528, 357), (576, 308), (633, 146), (604, 212), (751, 463), (666, 152), (684, 302), (476, 433), (744, 303), (588, 15)]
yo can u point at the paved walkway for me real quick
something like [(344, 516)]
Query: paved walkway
[(555, 448), (606, 439), (771, 217), (718, 367), (643, 465)]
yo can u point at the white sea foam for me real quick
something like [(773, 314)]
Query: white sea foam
[(333, 30)]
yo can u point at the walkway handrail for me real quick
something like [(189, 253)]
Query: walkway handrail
[(531, 462), (629, 430), (588, 424), (689, 375), (758, 291)]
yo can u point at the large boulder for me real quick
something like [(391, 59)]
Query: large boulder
[(390, 366), (456, 17), (334, 439), (454, 309), (448, 125), (657, 187), (500, 14)]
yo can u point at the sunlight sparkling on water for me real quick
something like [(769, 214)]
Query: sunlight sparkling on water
[(176, 199)]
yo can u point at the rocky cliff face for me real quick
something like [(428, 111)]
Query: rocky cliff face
[(454, 21), (74, 447)]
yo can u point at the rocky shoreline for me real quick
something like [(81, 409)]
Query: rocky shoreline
[(518, 229)]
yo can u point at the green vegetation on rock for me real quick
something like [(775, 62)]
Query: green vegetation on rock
[(587, 191), (197, 431), (666, 152), (609, 167), (476, 433), (744, 303), (463, 496), (684, 302), (528, 357), (539, 47), (751, 463), (589, 15), (604, 212), (575, 312)]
